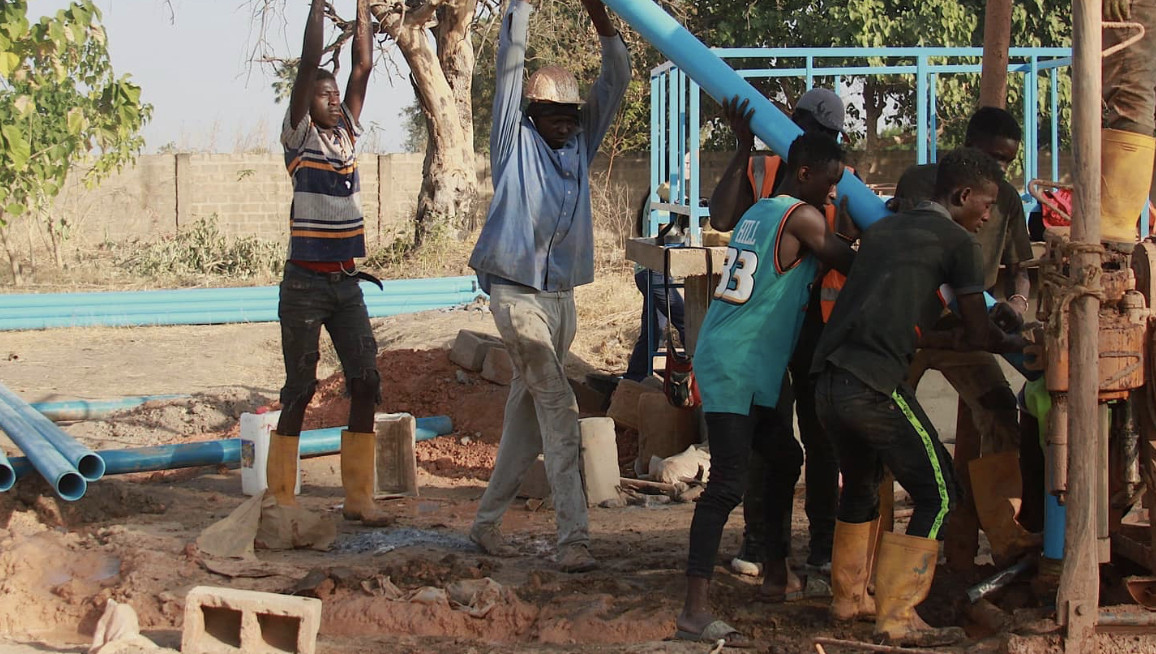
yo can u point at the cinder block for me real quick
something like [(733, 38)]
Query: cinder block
[(665, 430), (396, 462), (220, 620), (535, 485), (497, 367), (600, 473), (470, 349), (624, 403)]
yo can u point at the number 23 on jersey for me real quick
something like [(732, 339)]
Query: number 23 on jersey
[(738, 276)]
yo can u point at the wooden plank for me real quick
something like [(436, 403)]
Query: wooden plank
[(961, 542), (684, 262)]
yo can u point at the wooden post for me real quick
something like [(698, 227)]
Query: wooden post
[(996, 41), (1078, 596)]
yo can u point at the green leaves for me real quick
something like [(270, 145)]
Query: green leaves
[(61, 103)]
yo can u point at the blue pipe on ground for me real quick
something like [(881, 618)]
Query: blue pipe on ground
[(315, 442), (41, 456), (85, 461), (438, 285), (75, 410), (207, 317), (7, 473)]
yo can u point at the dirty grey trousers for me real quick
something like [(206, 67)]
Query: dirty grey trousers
[(537, 328)]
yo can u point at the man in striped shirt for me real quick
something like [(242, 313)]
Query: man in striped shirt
[(320, 286)]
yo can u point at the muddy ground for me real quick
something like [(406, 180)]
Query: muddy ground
[(131, 538)]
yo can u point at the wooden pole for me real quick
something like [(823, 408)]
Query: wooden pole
[(996, 41), (1079, 584)]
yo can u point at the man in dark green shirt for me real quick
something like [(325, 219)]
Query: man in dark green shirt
[(907, 267)]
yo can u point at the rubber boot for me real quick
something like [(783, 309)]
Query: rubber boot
[(996, 484), (358, 469), (851, 558), (1125, 177), (903, 575), (281, 468)]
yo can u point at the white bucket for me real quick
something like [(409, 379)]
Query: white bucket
[(255, 428)]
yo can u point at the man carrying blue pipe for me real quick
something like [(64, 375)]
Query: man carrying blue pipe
[(536, 247), (748, 178)]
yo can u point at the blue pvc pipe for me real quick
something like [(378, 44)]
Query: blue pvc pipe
[(74, 410), (41, 456), (7, 473), (392, 287), (315, 442), (1055, 521), (240, 304), (202, 317), (721, 82), (85, 461)]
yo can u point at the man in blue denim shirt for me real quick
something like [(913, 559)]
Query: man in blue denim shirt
[(536, 246)]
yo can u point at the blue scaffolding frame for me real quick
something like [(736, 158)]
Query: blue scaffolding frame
[(675, 120)]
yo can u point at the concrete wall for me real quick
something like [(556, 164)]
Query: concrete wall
[(250, 193)]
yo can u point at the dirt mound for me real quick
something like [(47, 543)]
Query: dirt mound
[(199, 417)]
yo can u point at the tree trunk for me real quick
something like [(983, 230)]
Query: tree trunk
[(442, 81), (874, 100), (13, 261)]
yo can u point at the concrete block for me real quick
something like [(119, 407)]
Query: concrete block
[(396, 459), (624, 403), (497, 367), (219, 620), (600, 472), (535, 485), (470, 349), (665, 430)]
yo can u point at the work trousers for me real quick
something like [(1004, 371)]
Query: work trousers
[(654, 312), (872, 430), (1130, 75), (731, 437), (537, 328)]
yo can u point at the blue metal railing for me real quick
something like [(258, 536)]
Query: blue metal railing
[(675, 116)]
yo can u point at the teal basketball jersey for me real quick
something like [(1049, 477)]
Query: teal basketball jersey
[(753, 322)]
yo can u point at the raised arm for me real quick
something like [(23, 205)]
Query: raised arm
[(809, 230), (607, 92), (733, 195), (362, 61), (311, 48), (507, 113)]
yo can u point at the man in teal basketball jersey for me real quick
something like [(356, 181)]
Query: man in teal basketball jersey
[(740, 360)]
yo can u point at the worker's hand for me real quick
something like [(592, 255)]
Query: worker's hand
[(739, 118), (1117, 10), (1007, 318), (845, 227)]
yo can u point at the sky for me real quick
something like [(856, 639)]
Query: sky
[(191, 59)]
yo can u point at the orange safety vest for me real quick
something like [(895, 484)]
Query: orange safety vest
[(761, 172)]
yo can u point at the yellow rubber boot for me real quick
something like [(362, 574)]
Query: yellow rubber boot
[(358, 468), (281, 468), (1125, 177), (903, 575), (851, 558), (996, 486)]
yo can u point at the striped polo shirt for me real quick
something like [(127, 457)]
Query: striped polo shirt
[(325, 220)]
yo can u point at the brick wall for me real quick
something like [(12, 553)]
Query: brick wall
[(250, 193)]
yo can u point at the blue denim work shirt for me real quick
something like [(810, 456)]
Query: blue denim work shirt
[(539, 231)]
